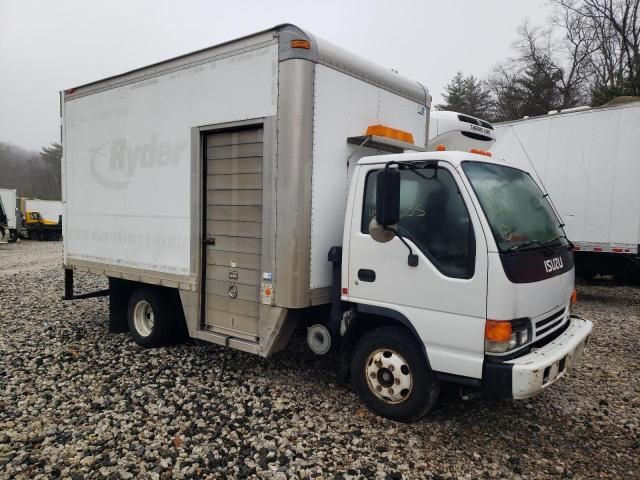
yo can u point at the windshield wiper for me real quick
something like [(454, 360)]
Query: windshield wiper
[(571, 245), (530, 242), (415, 165)]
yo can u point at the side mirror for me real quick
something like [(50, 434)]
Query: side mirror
[(388, 197)]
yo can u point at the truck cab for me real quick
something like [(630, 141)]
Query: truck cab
[(469, 259), (39, 228)]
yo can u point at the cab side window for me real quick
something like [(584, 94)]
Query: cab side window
[(433, 216)]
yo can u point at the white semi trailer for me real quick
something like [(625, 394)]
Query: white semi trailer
[(238, 190), (8, 197), (587, 158)]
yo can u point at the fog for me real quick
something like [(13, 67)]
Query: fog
[(47, 46)]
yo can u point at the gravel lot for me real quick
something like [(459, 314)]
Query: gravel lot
[(77, 402)]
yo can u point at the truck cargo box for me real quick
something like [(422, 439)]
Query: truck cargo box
[(224, 173)]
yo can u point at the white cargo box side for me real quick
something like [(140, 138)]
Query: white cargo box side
[(160, 164), (8, 196), (588, 162), (127, 158), (344, 106)]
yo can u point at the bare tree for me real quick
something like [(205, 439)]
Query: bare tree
[(503, 83), (613, 28)]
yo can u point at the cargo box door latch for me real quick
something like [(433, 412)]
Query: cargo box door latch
[(210, 241)]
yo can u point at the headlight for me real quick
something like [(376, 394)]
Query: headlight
[(501, 336)]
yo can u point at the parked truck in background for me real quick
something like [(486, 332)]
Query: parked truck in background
[(587, 160), (242, 189), (8, 197), (4, 224), (42, 219)]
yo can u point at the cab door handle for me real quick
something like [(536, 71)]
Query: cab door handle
[(366, 275)]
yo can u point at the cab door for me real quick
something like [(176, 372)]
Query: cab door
[(444, 296)]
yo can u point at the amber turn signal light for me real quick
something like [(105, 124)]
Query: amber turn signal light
[(497, 331)]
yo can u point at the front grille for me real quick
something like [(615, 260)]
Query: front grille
[(547, 324), (475, 121), (476, 136)]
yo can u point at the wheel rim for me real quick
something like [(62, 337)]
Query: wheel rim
[(143, 318), (388, 376)]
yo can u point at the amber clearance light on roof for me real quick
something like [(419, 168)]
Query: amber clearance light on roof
[(388, 132), (300, 43)]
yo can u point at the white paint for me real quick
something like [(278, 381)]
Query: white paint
[(507, 300), (445, 128), (8, 196), (448, 313), (127, 158), (344, 107), (588, 162)]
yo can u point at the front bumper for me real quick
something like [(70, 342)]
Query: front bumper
[(526, 376)]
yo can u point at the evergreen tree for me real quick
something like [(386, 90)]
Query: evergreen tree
[(467, 94), (539, 90), (52, 159)]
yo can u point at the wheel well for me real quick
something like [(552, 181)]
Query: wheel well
[(366, 322), (120, 292)]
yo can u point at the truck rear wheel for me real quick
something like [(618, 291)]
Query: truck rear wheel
[(151, 317), (391, 375)]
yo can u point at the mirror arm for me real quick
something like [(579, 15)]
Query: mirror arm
[(412, 259)]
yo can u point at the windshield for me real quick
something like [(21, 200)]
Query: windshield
[(433, 216), (519, 213)]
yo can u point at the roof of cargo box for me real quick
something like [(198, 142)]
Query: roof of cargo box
[(312, 48), (627, 102)]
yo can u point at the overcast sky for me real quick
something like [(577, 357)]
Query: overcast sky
[(49, 45)]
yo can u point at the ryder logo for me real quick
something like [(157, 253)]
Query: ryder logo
[(114, 164), (553, 264)]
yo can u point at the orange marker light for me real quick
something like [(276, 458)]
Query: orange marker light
[(497, 330), (441, 148), (299, 43), (267, 292), (388, 132), (574, 297), (479, 151)]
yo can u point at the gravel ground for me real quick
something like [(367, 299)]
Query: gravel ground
[(77, 402)]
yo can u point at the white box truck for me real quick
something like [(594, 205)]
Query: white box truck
[(42, 219), (50, 210), (8, 199), (587, 158), (239, 190)]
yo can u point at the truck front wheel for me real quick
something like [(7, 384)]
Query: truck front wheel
[(150, 317), (391, 375)]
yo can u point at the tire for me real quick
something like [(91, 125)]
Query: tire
[(151, 317), (396, 348)]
